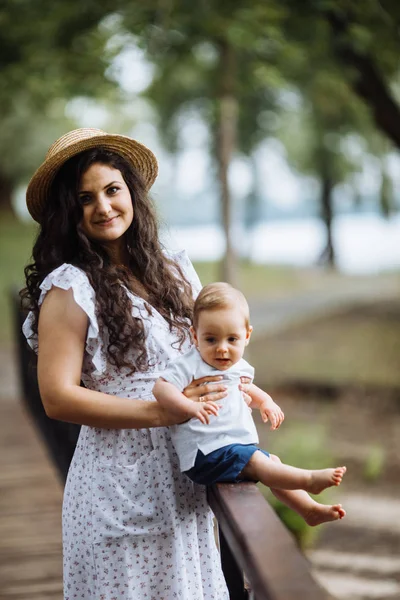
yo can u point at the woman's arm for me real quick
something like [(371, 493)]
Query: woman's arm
[(62, 334), (178, 405)]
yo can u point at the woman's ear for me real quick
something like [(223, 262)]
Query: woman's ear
[(194, 336), (248, 334)]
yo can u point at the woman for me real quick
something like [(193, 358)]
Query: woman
[(110, 308)]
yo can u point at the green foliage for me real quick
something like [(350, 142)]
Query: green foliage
[(16, 241), (301, 446), (188, 64), (27, 134), (52, 49), (258, 281), (374, 463), (275, 48), (49, 53), (304, 535)]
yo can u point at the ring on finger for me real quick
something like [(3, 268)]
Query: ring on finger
[(201, 398)]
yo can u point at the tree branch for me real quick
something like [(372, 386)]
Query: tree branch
[(368, 82)]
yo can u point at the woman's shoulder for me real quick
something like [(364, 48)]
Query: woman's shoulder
[(70, 277), (65, 276), (181, 258)]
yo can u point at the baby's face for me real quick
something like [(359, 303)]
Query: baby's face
[(221, 336)]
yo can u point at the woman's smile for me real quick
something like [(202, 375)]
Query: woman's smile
[(107, 222)]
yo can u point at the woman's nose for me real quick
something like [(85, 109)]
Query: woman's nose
[(103, 206)]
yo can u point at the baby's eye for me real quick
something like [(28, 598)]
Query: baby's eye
[(210, 340), (232, 339)]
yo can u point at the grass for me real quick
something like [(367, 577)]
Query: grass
[(302, 445), (16, 240), (258, 280), (274, 281), (374, 463)]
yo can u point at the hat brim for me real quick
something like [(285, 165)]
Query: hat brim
[(134, 152)]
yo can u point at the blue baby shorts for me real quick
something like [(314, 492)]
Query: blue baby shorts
[(222, 465)]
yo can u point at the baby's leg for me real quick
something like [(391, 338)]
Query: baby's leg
[(312, 512), (278, 475)]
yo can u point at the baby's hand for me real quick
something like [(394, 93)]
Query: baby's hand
[(203, 410), (270, 410)]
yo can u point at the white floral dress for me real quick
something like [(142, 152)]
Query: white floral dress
[(134, 527)]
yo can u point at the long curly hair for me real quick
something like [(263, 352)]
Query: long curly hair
[(150, 273)]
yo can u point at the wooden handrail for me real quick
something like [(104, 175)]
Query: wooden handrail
[(60, 438), (261, 547)]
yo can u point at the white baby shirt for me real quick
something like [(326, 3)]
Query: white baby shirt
[(234, 423)]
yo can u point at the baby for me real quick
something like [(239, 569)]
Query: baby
[(219, 441)]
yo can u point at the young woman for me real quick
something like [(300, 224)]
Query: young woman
[(110, 308)]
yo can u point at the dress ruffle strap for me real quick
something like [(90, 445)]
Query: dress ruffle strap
[(70, 277)]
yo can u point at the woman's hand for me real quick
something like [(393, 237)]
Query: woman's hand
[(206, 389), (244, 388)]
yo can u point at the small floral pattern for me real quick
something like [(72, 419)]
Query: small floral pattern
[(134, 527)]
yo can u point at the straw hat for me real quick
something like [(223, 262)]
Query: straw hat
[(77, 141)]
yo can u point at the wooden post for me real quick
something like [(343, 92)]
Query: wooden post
[(232, 573), (261, 546)]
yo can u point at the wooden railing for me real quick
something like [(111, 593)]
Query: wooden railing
[(59, 438), (260, 558), (253, 541)]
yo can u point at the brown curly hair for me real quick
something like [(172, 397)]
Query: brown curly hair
[(150, 273)]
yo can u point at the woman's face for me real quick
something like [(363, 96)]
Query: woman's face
[(107, 205)]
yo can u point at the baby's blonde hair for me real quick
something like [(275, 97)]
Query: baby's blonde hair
[(220, 295)]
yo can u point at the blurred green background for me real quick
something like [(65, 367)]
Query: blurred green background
[(276, 126)]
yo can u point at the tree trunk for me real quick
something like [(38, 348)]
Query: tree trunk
[(328, 254), (253, 208), (386, 202), (226, 134)]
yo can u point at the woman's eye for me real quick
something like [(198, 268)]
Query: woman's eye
[(85, 199), (112, 190)]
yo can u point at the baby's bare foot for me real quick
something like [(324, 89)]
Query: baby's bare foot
[(324, 478), (320, 513)]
